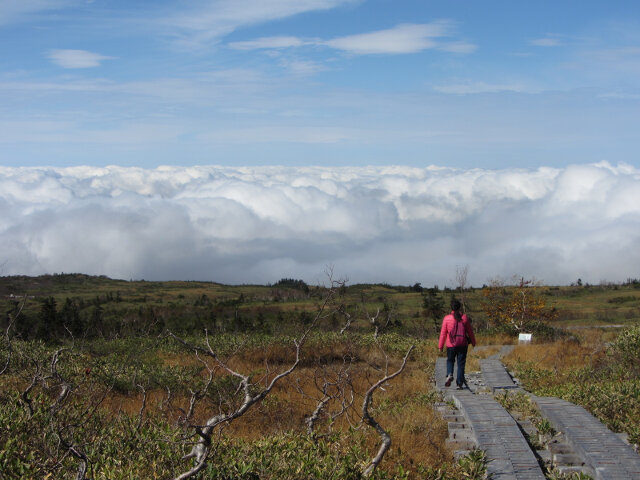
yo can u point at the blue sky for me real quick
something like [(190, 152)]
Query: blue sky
[(243, 141), (496, 84)]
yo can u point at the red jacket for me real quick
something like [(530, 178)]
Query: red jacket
[(449, 324)]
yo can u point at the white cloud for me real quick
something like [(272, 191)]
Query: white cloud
[(401, 39), (467, 88), (76, 58), (258, 224), (208, 21), (268, 42), (548, 41), (405, 38), (303, 67), (15, 10)]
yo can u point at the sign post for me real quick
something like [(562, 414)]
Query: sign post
[(524, 338)]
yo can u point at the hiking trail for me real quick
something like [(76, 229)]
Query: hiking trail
[(582, 443)]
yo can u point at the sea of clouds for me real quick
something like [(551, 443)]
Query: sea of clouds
[(397, 225)]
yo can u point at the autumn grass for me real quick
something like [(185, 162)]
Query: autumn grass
[(271, 440), (602, 376), (560, 357), (403, 406)]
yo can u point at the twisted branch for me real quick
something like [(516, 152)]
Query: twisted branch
[(369, 420), (200, 451), (7, 336)]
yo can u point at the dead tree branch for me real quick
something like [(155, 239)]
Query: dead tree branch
[(369, 420), (201, 449), (83, 461), (461, 280), (7, 335), (24, 396), (143, 407), (381, 319), (65, 387), (348, 317), (335, 390)]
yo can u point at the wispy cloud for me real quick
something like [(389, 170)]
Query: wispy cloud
[(252, 224), (401, 39), (203, 88), (303, 67), (208, 21), (272, 134), (270, 43), (406, 38), (547, 41), (621, 56), (469, 88), (620, 96), (77, 58), (16, 10)]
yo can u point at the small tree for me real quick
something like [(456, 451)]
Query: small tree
[(69, 316), (518, 308), (461, 280), (433, 306), (48, 325)]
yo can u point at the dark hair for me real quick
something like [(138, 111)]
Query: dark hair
[(455, 306)]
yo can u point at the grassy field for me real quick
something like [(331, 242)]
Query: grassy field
[(94, 380)]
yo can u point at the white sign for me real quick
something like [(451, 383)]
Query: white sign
[(524, 338)]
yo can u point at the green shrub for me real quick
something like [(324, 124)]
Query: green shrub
[(626, 347)]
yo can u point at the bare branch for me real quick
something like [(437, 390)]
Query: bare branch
[(64, 426), (167, 402), (65, 387), (381, 320), (7, 335), (24, 396), (79, 454), (142, 408), (200, 451), (332, 391), (461, 280), (369, 420), (349, 318)]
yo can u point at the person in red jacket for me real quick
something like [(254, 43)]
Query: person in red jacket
[(456, 333)]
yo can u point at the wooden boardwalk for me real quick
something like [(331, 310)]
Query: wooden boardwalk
[(603, 453), (602, 450), (494, 431), (495, 376)]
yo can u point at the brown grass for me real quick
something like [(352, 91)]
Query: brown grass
[(496, 339), (557, 356), (418, 432), (403, 406), (177, 359)]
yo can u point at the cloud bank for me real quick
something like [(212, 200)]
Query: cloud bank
[(372, 224)]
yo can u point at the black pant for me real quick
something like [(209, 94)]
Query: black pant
[(459, 354)]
